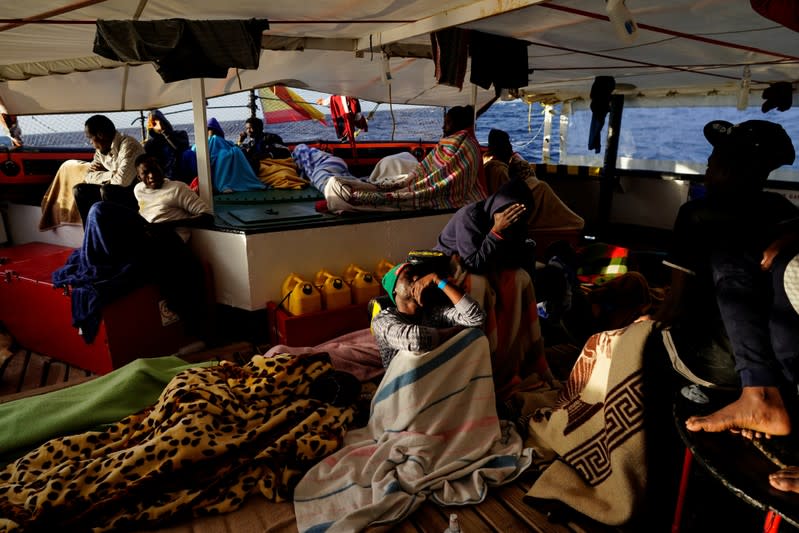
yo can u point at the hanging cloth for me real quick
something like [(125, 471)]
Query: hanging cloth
[(498, 60), (778, 95), (786, 12), (600, 105), (347, 116), (183, 49), (450, 49)]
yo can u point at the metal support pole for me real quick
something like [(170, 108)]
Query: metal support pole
[(563, 131), (253, 107), (546, 146), (143, 125), (609, 179), (201, 141)]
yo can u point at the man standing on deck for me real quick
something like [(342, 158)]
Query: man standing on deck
[(728, 261)]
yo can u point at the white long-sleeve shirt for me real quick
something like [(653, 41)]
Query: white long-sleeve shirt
[(395, 331), (118, 162), (173, 201)]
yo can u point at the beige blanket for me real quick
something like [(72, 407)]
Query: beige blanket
[(550, 211), (594, 434), (58, 204)]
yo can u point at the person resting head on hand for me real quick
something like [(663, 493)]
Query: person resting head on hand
[(491, 234), (166, 202), (427, 311)]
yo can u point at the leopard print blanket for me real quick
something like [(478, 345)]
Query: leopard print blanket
[(214, 436)]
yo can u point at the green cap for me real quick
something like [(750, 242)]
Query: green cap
[(389, 280)]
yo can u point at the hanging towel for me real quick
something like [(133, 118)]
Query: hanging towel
[(450, 48), (183, 49), (497, 60)]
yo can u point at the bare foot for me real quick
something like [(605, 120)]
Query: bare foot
[(786, 479), (759, 411)]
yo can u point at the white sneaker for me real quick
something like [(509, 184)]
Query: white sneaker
[(694, 394)]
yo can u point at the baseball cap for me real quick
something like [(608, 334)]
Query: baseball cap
[(389, 280), (766, 141)]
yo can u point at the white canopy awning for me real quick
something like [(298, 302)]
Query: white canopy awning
[(684, 47)]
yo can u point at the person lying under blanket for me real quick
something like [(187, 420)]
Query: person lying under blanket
[(215, 437), (450, 176)]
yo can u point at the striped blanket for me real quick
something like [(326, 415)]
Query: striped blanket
[(433, 433), (512, 326), (451, 176)]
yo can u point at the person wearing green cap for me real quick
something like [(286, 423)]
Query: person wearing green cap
[(429, 310)]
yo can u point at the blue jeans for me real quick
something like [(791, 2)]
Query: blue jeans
[(761, 323)]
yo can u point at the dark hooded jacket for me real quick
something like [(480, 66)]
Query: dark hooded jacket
[(468, 233), (168, 148)]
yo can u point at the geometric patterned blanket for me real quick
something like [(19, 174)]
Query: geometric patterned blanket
[(594, 434)]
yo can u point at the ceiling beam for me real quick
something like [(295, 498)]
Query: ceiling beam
[(292, 43), (52, 13), (479, 10)]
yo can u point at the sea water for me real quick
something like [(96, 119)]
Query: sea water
[(661, 134)]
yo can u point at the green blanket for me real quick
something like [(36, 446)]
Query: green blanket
[(30, 421)]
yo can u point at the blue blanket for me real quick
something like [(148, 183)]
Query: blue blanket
[(318, 165), (106, 266), (230, 170)]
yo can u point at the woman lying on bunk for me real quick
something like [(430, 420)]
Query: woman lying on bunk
[(123, 249), (450, 176)]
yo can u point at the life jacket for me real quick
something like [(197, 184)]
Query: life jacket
[(347, 116)]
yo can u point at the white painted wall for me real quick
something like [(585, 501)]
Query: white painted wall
[(226, 253), (23, 227), (249, 270)]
